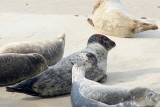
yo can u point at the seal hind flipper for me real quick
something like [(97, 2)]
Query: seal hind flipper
[(140, 26), (23, 87)]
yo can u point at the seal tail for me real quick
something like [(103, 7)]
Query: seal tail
[(23, 87)]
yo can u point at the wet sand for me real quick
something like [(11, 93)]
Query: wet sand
[(133, 62)]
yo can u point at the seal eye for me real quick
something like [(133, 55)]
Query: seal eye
[(150, 94), (104, 40)]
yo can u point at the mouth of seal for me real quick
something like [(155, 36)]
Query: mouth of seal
[(112, 44), (156, 99)]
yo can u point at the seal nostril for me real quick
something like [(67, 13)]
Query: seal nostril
[(113, 44)]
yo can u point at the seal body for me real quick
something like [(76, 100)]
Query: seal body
[(87, 93), (57, 79), (111, 17), (78, 99), (52, 51), (17, 67)]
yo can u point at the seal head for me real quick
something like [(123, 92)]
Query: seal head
[(144, 97), (103, 40)]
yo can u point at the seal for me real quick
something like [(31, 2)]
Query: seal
[(80, 100), (87, 93), (17, 67), (111, 17), (52, 50), (57, 79)]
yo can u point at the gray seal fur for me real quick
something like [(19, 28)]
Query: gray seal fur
[(51, 50), (17, 67), (78, 99), (57, 79), (87, 93)]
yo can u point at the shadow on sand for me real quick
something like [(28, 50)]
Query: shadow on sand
[(39, 98), (127, 76)]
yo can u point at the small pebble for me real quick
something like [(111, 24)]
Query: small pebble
[(76, 15), (143, 18)]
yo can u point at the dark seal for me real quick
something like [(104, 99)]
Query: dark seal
[(17, 67)]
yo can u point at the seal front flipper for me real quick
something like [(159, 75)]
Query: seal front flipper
[(103, 79), (89, 20), (24, 87), (97, 75)]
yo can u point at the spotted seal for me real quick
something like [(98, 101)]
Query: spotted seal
[(51, 50), (17, 67), (111, 17), (87, 93), (57, 79)]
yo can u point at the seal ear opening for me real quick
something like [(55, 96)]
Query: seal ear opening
[(89, 55)]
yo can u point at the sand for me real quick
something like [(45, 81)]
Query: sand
[(133, 62)]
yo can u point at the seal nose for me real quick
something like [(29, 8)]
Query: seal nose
[(113, 43)]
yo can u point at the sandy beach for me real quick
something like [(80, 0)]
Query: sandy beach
[(133, 62)]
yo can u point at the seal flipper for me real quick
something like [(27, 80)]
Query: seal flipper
[(89, 20), (140, 26), (24, 87), (96, 6)]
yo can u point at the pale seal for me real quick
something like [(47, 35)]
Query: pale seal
[(111, 17), (87, 93), (17, 67), (57, 79), (51, 50)]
